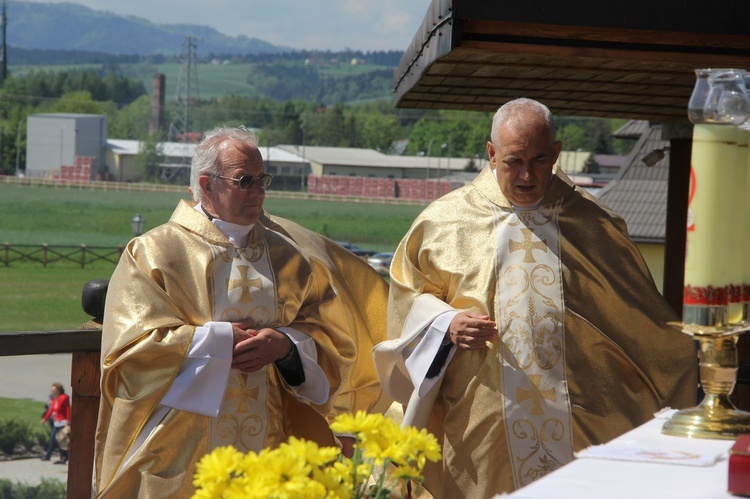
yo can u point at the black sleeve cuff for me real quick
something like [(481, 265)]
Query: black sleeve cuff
[(290, 367), (439, 361)]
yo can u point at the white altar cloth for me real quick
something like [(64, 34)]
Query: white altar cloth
[(598, 478)]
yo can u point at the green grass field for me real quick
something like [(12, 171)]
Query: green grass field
[(22, 410), (35, 298)]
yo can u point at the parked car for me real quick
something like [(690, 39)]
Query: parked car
[(355, 249), (381, 262)]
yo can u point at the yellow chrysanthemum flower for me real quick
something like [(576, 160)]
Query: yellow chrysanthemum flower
[(311, 452), (302, 469), (361, 422), (215, 470), (406, 472)]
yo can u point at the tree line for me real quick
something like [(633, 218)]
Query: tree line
[(375, 124)]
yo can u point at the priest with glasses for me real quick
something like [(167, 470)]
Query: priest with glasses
[(219, 329)]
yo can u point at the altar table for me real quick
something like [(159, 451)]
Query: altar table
[(599, 478)]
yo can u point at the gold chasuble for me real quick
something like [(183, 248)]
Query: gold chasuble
[(173, 279), (366, 294), (584, 352)]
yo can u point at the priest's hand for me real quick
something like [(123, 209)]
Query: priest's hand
[(242, 331), (471, 330), (347, 445), (255, 349)]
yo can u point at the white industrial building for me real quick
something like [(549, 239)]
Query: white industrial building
[(57, 140), (75, 147)]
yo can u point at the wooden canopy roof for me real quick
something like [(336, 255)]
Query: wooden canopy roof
[(632, 59)]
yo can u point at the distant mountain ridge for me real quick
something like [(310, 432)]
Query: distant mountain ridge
[(69, 26)]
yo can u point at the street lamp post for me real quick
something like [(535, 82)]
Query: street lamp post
[(136, 223)]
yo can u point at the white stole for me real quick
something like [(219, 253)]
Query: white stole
[(244, 289), (530, 311)]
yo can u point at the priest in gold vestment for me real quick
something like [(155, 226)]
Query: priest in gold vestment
[(221, 329), (523, 323)]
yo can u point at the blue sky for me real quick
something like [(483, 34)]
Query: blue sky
[(300, 24)]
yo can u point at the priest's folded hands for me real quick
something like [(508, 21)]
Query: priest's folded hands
[(471, 330), (256, 348)]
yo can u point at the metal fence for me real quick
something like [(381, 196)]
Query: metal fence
[(101, 185), (45, 254)]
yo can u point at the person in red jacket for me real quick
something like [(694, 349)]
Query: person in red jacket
[(59, 409)]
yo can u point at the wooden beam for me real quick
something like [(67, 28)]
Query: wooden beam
[(680, 150), (39, 342), (713, 42), (562, 52), (85, 373)]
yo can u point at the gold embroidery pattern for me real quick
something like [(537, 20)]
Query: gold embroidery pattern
[(244, 292), (535, 409), (243, 281), (242, 394), (253, 252), (528, 245), (537, 218), (257, 317), (224, 254), (540, 459), (536, 394), (531, 318), (239, 423), (249, 293)]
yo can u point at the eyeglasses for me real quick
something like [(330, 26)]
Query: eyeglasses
[(246, 181)]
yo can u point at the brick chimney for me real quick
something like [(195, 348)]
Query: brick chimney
[(156, 123)]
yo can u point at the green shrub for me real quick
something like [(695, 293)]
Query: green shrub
[(41, 437), (48, 489), (14, 432)]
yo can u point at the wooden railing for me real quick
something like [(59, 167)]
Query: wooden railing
[(45, 254), (85, 345)]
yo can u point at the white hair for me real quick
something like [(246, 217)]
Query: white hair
[(512, 108), (206, 158)]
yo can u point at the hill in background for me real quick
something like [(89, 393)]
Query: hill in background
[(68, 26)]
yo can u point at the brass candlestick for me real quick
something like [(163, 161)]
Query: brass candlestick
[(716, 416)]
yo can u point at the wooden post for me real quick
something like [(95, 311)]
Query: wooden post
[(680, 147), (85, 375)]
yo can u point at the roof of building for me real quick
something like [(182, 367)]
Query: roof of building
[(633, 129), (609, 160), (186, 150), (124, 147), (352, 156), (639, 192), (571, 162), (67, 115)]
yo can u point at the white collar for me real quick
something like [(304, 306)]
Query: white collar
[(237, 234)]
